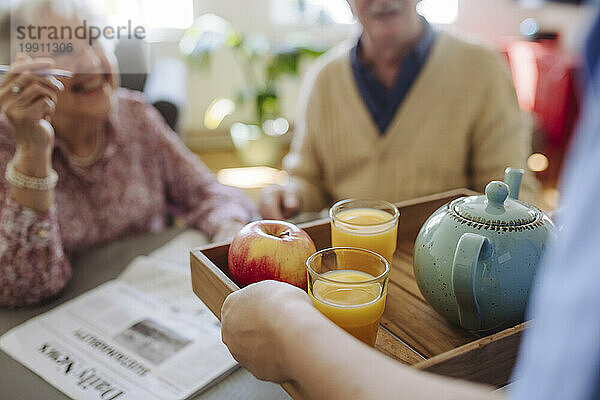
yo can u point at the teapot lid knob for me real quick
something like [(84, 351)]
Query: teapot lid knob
[(496, 193)]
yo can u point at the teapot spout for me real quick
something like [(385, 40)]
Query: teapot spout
[(513, 177)]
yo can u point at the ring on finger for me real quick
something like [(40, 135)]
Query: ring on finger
[(16, 89)]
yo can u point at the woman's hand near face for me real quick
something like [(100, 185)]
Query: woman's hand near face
[(28, 100), (254, 323)]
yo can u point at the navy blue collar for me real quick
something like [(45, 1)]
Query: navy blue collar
[(382, 102)]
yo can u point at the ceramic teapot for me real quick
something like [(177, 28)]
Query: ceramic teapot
[(475, 258)]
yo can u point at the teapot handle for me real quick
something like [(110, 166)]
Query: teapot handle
[(464, 269)]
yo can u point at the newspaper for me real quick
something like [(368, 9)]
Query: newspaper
[(131, 338), (165, 274)]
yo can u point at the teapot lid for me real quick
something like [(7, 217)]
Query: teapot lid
[(495, 208)]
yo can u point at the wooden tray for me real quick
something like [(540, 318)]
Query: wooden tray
[(411, 331)]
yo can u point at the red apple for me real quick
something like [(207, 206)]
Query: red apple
[(270, 250)]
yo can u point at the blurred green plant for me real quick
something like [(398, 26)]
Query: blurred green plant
[(263, 62)]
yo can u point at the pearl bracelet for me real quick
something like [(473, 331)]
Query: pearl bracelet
[(23, 181)]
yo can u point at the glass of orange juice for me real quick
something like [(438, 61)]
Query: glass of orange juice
[(349, 286), (366, 224)]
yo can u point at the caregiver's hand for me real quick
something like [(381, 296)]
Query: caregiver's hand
[(255, 320), (273, 330)]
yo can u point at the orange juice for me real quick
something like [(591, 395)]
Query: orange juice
[(365, 228), (354, 307)]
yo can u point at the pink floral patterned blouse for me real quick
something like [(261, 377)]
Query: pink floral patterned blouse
[(145, 174)]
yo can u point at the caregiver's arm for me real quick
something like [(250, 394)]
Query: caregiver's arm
[(273, 330)]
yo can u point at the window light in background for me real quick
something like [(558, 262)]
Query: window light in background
[(252, 177), (289, 12), (216, 112), (529, 27), (176, 14), (293, 12), (242, 133), (438, 11), (338, 10), (276, 127), (537, 162)]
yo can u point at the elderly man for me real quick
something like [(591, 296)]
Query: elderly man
[(403, 112)]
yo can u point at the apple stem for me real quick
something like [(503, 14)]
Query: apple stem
[(284, 234)]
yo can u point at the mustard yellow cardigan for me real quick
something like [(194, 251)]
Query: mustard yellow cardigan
[(459, 126)]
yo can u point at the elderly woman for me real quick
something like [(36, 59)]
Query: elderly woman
[(87, 163)]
